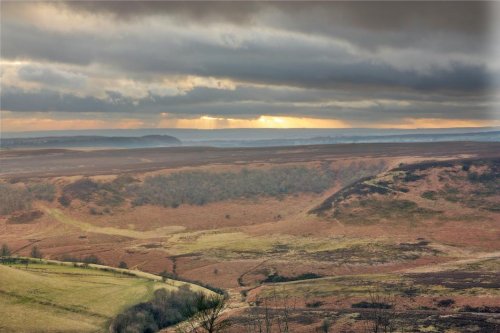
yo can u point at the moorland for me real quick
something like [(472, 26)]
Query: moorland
[(302, 239)]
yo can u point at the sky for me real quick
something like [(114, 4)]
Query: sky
[(106, 64)]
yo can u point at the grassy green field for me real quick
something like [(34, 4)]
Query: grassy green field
[(62, 298)]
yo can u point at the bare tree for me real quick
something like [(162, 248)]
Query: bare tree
[(381, 313), (208, 318), (283, 315), (255, 321), (5, 251), (325, 325), (35, 252)]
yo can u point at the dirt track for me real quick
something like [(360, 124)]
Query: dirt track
[(58, 162)]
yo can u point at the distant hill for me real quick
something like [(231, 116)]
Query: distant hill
[(491, 136), (92, 141), (265, 137)]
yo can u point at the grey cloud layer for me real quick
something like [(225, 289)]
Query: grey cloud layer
[(279, 60), (251, 102), (466, 17), (432, 55)]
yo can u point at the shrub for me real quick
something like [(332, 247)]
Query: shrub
[(94, 211), (167, 308), (101, 193), (25, 217), (123, 265), (90, 259), (315, 304), (64, 200), (36, 253), (82, 189), (274, 278), (429, 195), (411, 177), (5, 251), (371, 305), (444, 303)]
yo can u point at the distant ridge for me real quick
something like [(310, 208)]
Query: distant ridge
[(254, 138), (492, 136), (92, 141)]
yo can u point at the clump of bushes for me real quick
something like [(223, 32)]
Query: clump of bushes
[(90, 259), (82, 189), (102, 193), (167, 308), (485, 177), (411, 177), (5, 251), (371, 305), (13, 198), (25, 217), (315, 304), (275, 277), (64, 200), (167, 275), (429, 195), (36, 253), (19, 198), (445, 303)]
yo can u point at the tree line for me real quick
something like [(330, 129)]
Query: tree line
[(19, 198), (201, 313)]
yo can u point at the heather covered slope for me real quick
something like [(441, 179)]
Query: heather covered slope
[(410, 194)]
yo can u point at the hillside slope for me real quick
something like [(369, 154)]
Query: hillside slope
[(440, 191), (64, 298)]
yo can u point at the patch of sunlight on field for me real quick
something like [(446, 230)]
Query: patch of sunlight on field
[(359, 285), (488, 265), (85, 226), (228, 241), (14, 312), (223, 243), (69, 298)]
